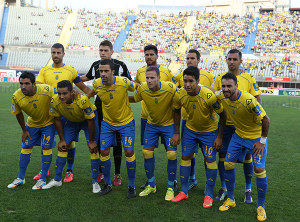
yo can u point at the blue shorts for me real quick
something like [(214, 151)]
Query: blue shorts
[(227, 135), (108, 135), (191, 139), (143, 127), (44, 135), (71, 130), (152, 134), (183, 123), (238, 148)]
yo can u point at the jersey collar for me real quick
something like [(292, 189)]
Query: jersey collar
[(239, 94), (158, 66), (35, 89)]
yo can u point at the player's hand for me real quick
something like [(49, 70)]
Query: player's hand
[(93, 147), (258, 149), (25, 134), (242, 70), (175, 140), (218, 143), (77, 94), (62, 146)]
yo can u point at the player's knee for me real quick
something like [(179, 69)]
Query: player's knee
[(104, 158), (248, 160), (129, 153), (105, 152), (261, 174), (222, 155), (186, 163), (211, 165), (148, 154), (171, 155), (95, 156), (130, 159), (26, 151), (229, 165), (258, 170), (47, 152)]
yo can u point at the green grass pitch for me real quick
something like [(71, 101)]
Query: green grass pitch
[(75, 201)]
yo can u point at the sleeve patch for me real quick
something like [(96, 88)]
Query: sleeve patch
[(51, 109), (216, 105), (257, 110), (248, 101), (88, 111), (209, 95), (255, 86), (131, 84), (13, 107), (174, 80)]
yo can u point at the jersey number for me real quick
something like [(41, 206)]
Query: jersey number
[(128, 141), (46, 138), (209, 151)]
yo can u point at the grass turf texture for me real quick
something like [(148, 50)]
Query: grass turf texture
[(75, 201)]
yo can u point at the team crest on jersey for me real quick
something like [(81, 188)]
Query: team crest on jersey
[(228, 155), (156, 101), (71, 113), (184, 148), (83, 101), (194, 106), (233, 111), (34, 105), (146, 141), (248, 101), (209, 95), (111, 96), (13, 107), (57, 77)]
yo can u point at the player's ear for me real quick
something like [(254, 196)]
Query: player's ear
[(198, 80), (112, 52), (113, 72)]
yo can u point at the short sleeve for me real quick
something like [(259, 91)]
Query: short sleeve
[(177, 104), (137, 96), (87, 107), (15, 109), (41, 76), (52, 110)]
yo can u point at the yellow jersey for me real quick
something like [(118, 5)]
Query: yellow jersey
[(246, 82), (205, 78), (165, 75), (51, 76), (78, 111), (246, 114), (36, 106), (200, 109), (159, 103), (115, 102)]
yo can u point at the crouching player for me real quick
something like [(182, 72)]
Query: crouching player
[(79, 115), (34, 100), (252, 126), (201, 128)]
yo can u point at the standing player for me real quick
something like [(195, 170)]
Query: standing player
[(246, 82), (34, 100), (117, 118), (206, 79), (106, 51), (158, 97), (80, 115), (51, 75), (151, 56), (201, 127), (252, 126)]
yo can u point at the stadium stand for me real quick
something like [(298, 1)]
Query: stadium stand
[(91, 28), (278, 33), (166, 31), (33, 26), (219, 32)]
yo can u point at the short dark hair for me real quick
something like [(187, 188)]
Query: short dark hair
[(230, 75), (28, 75), (108, 62), (153, 68), (233, 51), (58, 46), (195, 51), (192, 71), (64, 84), (106, 43), (151, 47)]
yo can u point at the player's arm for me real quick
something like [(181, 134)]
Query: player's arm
[(259, 146), (176, 137), (37, 82), (62, 146), (259, 100), (21, 121), (91, 93), (92, 144), (125, 72), (222, 124), (83, 87), (84, 78), (131, 99)]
